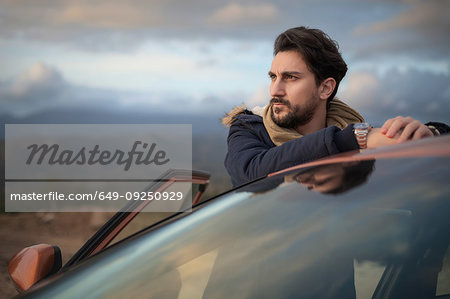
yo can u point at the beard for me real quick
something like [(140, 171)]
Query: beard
[(296, 116)]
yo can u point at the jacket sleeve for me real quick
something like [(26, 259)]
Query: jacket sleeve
[(441, 127), (252, 155)]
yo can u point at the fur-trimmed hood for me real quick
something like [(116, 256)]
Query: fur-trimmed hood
[(229, 117)]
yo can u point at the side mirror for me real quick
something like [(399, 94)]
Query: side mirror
[(33, 263)]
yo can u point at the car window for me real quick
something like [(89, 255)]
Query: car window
[(151, 214), (443, 283), (173, 192), (195, 274), (367, 276)]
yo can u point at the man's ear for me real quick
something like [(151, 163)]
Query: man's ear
[(326, 88)]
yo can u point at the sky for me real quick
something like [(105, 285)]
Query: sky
[(203, 57)]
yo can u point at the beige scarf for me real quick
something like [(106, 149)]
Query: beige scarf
[(338, 114)]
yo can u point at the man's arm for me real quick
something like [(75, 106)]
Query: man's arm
[(401, 129), (251, 154), (406, 128), (376, 138)]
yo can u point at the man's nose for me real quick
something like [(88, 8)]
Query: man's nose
[(277, 89)]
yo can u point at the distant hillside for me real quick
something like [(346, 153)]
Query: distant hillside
[(200, 123)]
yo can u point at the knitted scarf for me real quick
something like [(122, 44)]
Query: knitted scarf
[(338, 114)]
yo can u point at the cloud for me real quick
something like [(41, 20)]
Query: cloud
[(426, 17), (96, 26), (260, 98), (111, 14), (215, 50), (420, 29), (34, 88), (237, 14), (40, 78), (43, 87), (124, 26), (420, 94), (358, 86)]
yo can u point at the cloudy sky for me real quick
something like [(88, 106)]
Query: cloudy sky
[(206, 56)]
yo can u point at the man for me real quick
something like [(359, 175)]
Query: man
[(303, 121)]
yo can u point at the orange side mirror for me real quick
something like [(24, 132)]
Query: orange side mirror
[(33, 263)]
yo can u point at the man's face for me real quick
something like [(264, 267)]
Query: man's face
[(323, 179), (293, 88)]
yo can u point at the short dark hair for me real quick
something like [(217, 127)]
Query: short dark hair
[(320, 52)]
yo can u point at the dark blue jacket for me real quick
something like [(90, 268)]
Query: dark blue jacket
[(252, 154)]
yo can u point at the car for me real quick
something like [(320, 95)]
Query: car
[(368, 224)]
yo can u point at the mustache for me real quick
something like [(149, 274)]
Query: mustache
[(280, 101)]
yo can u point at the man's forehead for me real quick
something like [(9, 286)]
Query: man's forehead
[(288, 61)]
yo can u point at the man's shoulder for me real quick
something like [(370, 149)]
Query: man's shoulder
[(241, 115), (245, 123), (248, 117)]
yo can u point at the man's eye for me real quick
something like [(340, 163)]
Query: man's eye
[(272, 77), (290, 77)]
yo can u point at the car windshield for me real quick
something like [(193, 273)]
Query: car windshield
[(299, 233)]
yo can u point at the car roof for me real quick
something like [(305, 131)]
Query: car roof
[(437, 146)]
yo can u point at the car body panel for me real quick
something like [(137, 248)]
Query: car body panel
[(277, 238), (434, 147)]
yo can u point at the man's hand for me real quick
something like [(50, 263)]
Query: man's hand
[(375, 138), (405, 128)]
